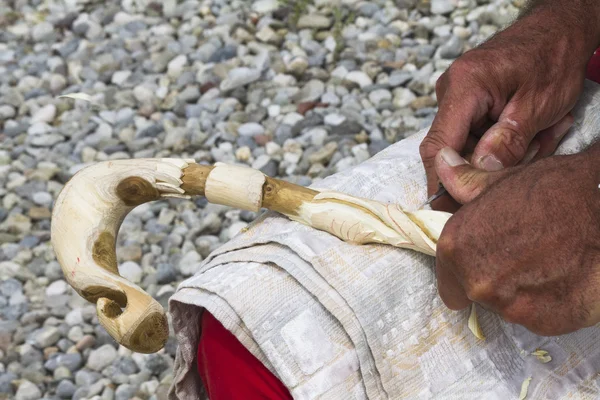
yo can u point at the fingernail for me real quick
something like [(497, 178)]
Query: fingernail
[(490, 163), (451, 157)]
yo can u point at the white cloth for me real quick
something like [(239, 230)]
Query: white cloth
[(338, 321)]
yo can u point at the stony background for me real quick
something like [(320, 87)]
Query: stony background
[(299, 89)]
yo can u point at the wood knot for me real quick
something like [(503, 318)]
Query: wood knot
[(134, 191)]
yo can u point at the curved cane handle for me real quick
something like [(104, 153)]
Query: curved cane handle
[(85, 222)]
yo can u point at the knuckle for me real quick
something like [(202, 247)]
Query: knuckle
[(471, 184), (431, 144), (513, 143), (481, 291)]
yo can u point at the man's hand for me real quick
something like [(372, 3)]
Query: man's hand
[(526, 244), (515, 91)]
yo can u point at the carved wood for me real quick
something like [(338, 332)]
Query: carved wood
[(90, 208)]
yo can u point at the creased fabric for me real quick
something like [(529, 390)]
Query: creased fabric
[(339, 321)]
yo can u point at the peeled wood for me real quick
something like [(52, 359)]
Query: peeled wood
[(92, 205)]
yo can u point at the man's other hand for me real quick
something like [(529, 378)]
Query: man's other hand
[(526, 244)]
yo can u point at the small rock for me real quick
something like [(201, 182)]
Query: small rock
[(403, 97), (57, 288), (297, 66), (42, 198), (120, 77), (452, 48), (102, 357), (125, 392), (28, 390), (239, 77), (442, 6), (311, 91), (65, 389), (324, 154), (265, 6), (131, 271), (251, 129), (267, 35), (47, 337), (243, 153), (176, 65), (44, 114), (165, 273), (314, 21), (7, 112), (379, 96), (423, 102), (360, 78), (42, 32), (334, 119), (86, 342)]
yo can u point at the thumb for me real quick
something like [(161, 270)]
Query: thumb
[(463, 181), (506, 142)]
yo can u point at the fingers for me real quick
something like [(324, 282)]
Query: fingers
[(510, 141), (449, 288), (458, 111), (550, 138), (463, 181)]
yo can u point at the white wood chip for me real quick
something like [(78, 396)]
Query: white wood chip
[(474, 323), (524, 388)]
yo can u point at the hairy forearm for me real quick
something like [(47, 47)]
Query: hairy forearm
[(577, 18)]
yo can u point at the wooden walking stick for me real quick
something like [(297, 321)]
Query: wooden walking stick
[(92, 205)]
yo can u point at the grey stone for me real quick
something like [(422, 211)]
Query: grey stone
[(442, 6), (452, 48), (72, 361), (101, 357), (28, 391), (314, 21), (125, 392), (46, 337), (10, 286), (251, 129), (311, 91), (165, 273), (239, 77), (65, 389)]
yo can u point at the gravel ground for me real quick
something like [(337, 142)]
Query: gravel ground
[(299, 89)]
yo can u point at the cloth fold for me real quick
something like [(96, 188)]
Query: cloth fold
[(333, 320)]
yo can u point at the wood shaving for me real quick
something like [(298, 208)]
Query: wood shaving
[(542, 356), (474, 323), (524, 388)]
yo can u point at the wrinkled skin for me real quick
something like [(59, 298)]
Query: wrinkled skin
[(526, 244), (525, 238), (508, 100)]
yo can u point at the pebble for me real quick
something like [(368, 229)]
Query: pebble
[(251, 129), (239, 77), (57, 288), (360, 78), (334, 119), (28, 391), (101, 357), (45, 114), (314, 21), (66, 389), (47, 337), (42, 32), (311, 91), (131, 271)]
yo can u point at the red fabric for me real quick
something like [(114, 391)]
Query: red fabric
[(593, 67), (229, 371)]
